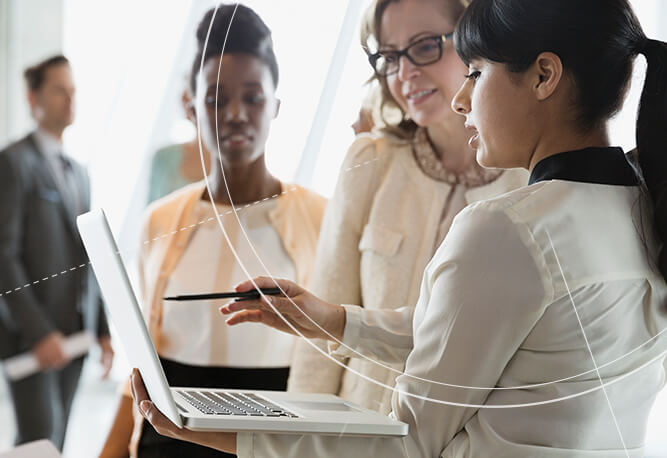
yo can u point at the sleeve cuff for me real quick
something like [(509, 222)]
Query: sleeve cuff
[(350, 334), (244, 445)]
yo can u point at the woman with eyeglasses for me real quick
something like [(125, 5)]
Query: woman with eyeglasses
[(399, 188), (540, 327)]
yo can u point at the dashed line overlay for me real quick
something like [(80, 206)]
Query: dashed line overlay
[(146, 242)]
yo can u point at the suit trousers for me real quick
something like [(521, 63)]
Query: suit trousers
[(42, 403)]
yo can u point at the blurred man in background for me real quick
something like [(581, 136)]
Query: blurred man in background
[(48, 291)]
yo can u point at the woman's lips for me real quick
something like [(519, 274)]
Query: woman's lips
[(473, 142), (236, 140), (418, 97)]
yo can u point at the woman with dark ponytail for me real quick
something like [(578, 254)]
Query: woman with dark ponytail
[(539, 331), (652, 136)]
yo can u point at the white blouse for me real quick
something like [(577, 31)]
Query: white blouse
[(528, 295), (195, 332)]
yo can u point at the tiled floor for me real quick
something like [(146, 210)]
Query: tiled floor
[(96, 401)]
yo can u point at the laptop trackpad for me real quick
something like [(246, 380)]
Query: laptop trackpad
[(317, 405)]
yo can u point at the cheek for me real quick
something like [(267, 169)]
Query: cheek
[(451, 73), (505, 128), (207, 129), (394, 86)]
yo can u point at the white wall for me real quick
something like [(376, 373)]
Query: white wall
[(30, 30)]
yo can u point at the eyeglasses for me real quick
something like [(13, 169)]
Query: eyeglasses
[(425, 51)]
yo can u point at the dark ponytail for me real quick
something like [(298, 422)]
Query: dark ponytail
[(652, 136), (597, 41)]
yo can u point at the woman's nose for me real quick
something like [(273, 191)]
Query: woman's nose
[(406, 69), (461, 100), (235, 112)]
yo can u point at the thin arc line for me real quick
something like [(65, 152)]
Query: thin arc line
[(234, 210), (435, 382), (588, 346)]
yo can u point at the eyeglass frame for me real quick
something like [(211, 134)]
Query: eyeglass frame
[(373, 58)]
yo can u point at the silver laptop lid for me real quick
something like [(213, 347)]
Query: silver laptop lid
[(124, 310)]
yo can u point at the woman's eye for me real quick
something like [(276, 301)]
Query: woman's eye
[(426, 48), (389, 58), (210, 100), (473, 75), (254, 99)]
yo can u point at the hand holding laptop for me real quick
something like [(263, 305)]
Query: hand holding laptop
[(310, 316), (222, 441)]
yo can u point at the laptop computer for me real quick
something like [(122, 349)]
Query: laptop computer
[(214, 409)]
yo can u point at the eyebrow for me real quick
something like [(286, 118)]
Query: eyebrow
[(253, 84), (417, 37)]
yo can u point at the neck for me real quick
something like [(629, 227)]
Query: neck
[(57, 132), (248, 183), (451, 145), (562, 141)]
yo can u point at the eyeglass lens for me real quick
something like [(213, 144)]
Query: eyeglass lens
[(422, 52)]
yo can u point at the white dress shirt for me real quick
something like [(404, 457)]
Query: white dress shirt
[(533, 298), (195, 332), (52, 148)]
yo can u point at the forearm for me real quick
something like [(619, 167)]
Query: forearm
[(118, 440), (383, 335)]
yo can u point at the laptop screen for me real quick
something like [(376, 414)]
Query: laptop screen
[(123, 309)]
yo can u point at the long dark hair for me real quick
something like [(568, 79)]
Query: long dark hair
[(241, 31), (597, 42)]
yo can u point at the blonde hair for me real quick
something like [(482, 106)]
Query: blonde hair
[(392, 118)]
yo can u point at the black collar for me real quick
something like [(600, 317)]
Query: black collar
[(590, 165)]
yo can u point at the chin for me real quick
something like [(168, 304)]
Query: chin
[(485, 160)]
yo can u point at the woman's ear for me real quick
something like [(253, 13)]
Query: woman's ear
[(548, 70), (277, 108)]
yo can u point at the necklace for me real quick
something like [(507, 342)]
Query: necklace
[(431, 164)]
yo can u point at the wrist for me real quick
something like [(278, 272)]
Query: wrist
[(338, 328)]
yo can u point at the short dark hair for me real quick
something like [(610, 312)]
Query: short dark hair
[(239, 30), (35, 75)]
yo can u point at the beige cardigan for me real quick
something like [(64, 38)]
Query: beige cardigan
[(377, 236), (168, 228)]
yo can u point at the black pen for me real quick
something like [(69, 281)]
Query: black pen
[(246, 295)]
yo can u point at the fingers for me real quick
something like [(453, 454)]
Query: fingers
[(246, 316), (289, 288), (139, 392), (162, 424), (262, 282), (259, 316), (274, 304)]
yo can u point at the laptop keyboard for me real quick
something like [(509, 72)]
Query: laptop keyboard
[(237, 404)]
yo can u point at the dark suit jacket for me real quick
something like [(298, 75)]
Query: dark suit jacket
[(41, 254)]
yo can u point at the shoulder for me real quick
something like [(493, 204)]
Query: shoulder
[(167, 152), (166, 156), (17, 149), (309, 201), (372, 147), (161, 213), (370, 158), (497, 218), (303, 194), (491, 236)]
